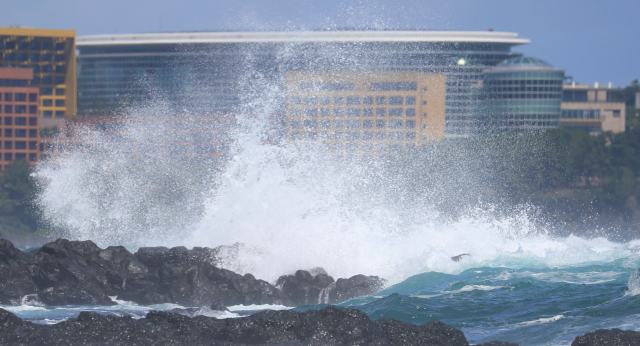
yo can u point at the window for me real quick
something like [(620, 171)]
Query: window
[(46, 91), (394, 86), (21, 97), (381, 124), (411, 100), (310, 136), (47, 45), (21, 156), (368, 112), (338, 100), (59, 80), (310, 124), (395, 124), (411, 135), (310, 100), (325, 112), (395, 100), (295, 112), (616, 113), (395, 136), (33, 145), (410, 112), (353, 112), (47, 114), (367, 136), (294, 100), (338, 136), (353, 136), (381, 100), (367, 100), (21, 121), (21, 145), (309, 112), (8, 120), (60, 46), (381, 135), (33, 97), (411, 124), (8, 156), (46, 57), (325, 124), (395, 112), (338, 124), (295, 124), (21, 109), (8, 145), (367, 124), (21, 133), (33, 109), (338, 112), (59, 114), (33, 45), (8, 97), (47, 103), (353, 124), (325, 100), (353, 100), (8, 109), (381, 112), (61, 91), (33, 157)]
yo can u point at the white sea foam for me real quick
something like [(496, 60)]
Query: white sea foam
[(542, 320), (469, 288), (634, 284), (255, 307)]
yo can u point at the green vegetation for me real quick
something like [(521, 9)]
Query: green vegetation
[(18, 219), (51, 131)]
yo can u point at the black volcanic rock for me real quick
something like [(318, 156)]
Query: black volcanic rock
[(305, 289), (605, 337), (330, 326), (15, 274), (497, 343)]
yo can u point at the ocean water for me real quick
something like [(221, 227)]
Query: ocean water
[(531, 304)]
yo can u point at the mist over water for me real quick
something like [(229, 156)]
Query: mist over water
[(292, 206)]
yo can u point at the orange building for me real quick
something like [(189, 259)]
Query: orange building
[(19, 116)]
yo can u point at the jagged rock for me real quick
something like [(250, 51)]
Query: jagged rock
[(330, 326), (606, 337), (355, 286), (15, 274), (498, 343), (305, 289)]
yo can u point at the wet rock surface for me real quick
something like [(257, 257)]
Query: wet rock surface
[(608, 337), (304, 288), (330, 326), (67, 272)]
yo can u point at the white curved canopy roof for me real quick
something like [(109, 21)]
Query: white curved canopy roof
[(507, 38)]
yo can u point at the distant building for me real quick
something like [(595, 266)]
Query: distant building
[(208, 72), (366, 112), (590, 108), (18, 116), (522, 94), (51, 55)]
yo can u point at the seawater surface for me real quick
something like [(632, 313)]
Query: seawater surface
[(536, 305)]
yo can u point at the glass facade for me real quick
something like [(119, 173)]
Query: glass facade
[(213, 77), (522, 94)]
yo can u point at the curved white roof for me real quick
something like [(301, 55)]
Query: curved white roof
[(507, 38)]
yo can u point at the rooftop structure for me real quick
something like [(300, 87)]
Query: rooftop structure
[(523, 94), (591, 108), (212, 72)]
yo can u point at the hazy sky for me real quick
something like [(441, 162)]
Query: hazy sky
[(594, 40)]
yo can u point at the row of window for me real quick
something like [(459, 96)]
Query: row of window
[(49, 114), (525, 88), (365, 147), (353, 100), (354, 136), (353, 124), (47, 80), (18, 109), (34, 57), (49, 68), (18, 145), (20, 121), (19, 97), (33, 45), (354, 112), (20, 156), (526, 96), (49, 103), (492, 82), (4, 82), (581, 113), (20, 133), (49, 91)]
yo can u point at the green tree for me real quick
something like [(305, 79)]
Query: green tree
[(17, 217)]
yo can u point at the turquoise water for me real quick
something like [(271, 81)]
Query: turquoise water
[(529, 306)]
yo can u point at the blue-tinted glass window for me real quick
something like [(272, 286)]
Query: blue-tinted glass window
[(33, 97), (47, 45), (381, 124), (395, 124), (60, 91), (33, 109), (368, 112), (22, 145), (8, 97), (60, 46), (33, 45), (59, 80), (8, 133), (21, 97), (353, 112), (8, 120), (47, 114), (8, 156), (21, 109), (21, 133), (47, 80), (22, 121), (21, 156), (381, 112), (395, 100), (33, 121), (395, 112), (411, 112), (60, 57), (46, 57), (46, 91), (47, 103), (33, 133), (8, 109)]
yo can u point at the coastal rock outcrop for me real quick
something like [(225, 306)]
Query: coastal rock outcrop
[(304, 288), (67, 272), (330, 326), (608, 337)]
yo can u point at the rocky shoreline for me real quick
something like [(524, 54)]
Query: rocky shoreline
[(80, 273)]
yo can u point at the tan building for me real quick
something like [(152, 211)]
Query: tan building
[(589, 108), (51, 54), (18, 117), (366, 112)]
